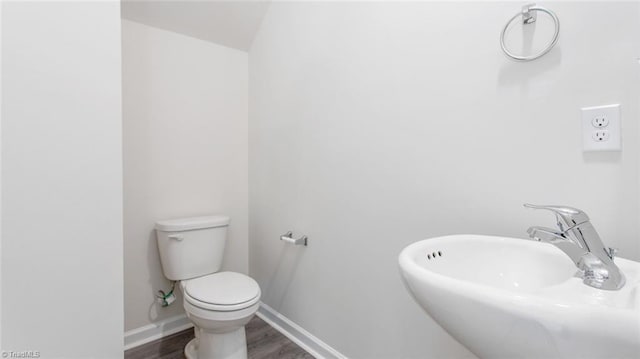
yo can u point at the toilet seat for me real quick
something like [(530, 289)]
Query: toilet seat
[(222, 291)]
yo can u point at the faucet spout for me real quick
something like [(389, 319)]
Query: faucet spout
[(544, 234), (558, 239)]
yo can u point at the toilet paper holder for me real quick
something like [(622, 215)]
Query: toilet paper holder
[(288, 237)]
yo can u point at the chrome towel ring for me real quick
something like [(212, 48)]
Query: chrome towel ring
[(529, 16)]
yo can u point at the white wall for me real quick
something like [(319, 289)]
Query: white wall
[(185, 152), (227, 23), (62, 179), (1, 2), (374, 125)]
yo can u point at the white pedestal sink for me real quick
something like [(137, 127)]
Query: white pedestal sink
[(514, 298)]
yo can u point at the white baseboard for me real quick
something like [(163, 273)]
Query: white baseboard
[(155, 331), (284, 325), (297, 334)]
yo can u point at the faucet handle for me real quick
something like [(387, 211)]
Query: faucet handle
[(568, 216)]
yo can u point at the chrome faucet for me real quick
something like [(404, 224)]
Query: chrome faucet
[(578, 239)]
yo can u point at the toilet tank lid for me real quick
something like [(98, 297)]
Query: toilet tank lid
[(188, 224)]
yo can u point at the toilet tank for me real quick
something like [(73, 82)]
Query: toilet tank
[(191, 247)]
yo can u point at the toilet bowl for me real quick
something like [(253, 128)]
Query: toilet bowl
[(219, 304)]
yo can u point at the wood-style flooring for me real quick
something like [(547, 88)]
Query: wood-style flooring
[(263, 342)]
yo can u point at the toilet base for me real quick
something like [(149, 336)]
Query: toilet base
[(230, 345), (191, 350)]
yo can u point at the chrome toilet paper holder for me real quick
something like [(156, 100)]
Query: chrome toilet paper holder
[(288, 237)]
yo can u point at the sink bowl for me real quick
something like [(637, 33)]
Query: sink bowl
[(514, 298)]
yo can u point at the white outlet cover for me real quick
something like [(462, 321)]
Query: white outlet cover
[(591, 141)]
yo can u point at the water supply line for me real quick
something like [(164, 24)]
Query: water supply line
[(165, 299)]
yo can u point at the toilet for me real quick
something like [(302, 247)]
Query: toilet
[(219, 304)]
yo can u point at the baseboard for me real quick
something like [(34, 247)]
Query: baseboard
[(155, 331), (297, 334), (284, 325)]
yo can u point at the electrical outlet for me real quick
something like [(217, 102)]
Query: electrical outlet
[(600, 121), (601, 135), (601, 130)]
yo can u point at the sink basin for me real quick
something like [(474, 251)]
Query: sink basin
[(514, 298)]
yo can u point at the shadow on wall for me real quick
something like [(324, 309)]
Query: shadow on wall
[(602, 157), (524, 74), (278, 283)]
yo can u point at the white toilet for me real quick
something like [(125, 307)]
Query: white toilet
[(218, 303)]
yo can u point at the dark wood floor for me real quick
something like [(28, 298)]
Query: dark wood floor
[(263, 342)]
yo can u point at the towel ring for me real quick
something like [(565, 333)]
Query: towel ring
[(529, 16)]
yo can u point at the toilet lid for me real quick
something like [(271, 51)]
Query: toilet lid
[(223, 288)]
